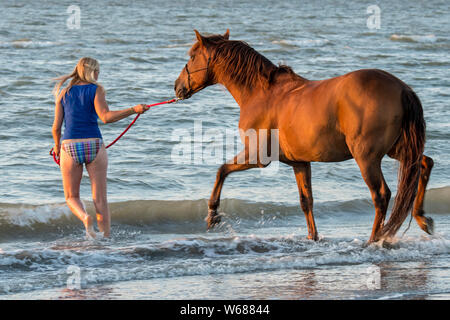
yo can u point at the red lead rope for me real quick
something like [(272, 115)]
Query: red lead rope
[(57, 160)]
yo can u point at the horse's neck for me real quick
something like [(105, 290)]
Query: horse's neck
[(242, 95), (246, 97)]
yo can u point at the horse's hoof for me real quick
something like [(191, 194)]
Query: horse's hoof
[(372, 240), (212, 219), (429, 225), (313, 237), (386, 244), (381, 241)]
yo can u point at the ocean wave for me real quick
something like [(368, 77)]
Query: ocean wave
[(157, 215), (21, 83), (202, 256), (115, 41), (37, 220), (178, 45), (28, 44), (137, 59), (302, 43), (33, 220), (437, 200), (414, 38)]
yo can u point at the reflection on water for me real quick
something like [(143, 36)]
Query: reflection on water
[(342, 282), (92, 293)]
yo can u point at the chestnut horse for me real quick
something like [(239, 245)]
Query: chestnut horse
[(364, 115)]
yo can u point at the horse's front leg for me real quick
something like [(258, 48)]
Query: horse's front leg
[(303, 177), (239, 163)]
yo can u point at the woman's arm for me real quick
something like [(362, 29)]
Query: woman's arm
[(107, 116), (56, 128)]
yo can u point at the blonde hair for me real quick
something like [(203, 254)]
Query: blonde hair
[(84, 72)]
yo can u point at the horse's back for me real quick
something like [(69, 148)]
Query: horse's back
[(306, 123), (334, 119)]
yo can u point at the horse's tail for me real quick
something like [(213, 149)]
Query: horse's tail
[(409, 152)]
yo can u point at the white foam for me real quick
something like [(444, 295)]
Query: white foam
[(206, 256), (392, 296), (28, 44), (179, 45), (303, 43), (414, 38)]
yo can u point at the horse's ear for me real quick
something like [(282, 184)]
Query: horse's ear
[(199, 37), (227, 34)]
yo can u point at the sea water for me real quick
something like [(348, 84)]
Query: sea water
[(159, 246)]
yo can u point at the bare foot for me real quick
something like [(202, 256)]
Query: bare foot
[(89, 225)]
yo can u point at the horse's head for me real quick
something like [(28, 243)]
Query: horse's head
[(197, 75)]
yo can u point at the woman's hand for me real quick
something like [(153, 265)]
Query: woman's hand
[(57, 150), (140, 108)]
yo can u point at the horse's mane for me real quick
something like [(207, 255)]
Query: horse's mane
[(242, 63)]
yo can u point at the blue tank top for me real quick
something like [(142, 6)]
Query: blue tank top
[(80, 117)]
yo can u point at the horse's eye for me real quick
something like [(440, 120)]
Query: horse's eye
[(193, 58)]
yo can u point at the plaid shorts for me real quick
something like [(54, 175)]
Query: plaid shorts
[(83, 152)]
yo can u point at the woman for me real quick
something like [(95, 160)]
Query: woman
[(79, 105)]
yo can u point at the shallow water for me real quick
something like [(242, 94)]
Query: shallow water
[(158, 205)]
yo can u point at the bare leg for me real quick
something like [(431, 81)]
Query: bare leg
[(97, 170), (303, 176), (72, 173), (425, 223), (373, 176), (231, 166)]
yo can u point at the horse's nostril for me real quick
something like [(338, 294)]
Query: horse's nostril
[(179, 90)]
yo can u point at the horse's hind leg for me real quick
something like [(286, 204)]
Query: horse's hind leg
[(425, 223), (373, 176), (303, 177)]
